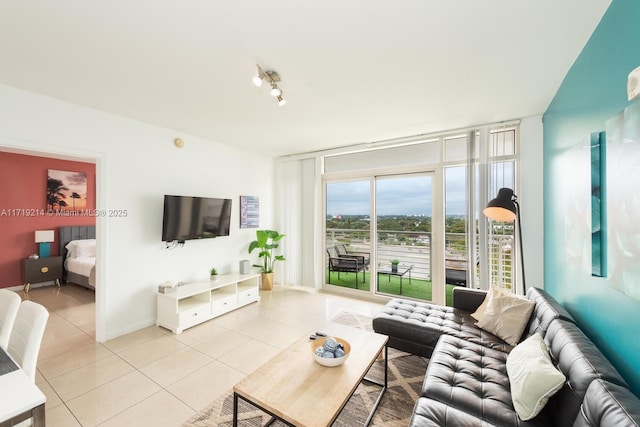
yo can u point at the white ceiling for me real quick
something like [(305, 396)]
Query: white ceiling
[(352, 71)]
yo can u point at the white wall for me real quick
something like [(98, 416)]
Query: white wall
[(137, 164), (531, 199)]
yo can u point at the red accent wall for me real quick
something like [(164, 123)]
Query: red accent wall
[(23, 184)]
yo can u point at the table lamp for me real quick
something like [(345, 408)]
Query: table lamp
[(44, 239)]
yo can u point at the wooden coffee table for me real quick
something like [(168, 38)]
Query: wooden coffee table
[(295, 389)]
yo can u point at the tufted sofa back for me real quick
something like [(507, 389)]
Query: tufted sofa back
[(581, 363), (546, 311), (607, 404)]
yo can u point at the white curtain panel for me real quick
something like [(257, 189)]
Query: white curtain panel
[(298, 219)]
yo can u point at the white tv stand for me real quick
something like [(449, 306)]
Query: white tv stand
[(194, 303)]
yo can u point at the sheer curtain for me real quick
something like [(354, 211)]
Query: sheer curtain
[(297, 206)]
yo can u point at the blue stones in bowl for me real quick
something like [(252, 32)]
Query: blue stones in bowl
[(335, 353), (330, 344)]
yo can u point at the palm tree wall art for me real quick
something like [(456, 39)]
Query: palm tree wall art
[(66, 191)]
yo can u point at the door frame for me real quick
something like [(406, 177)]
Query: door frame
[(437, 225)]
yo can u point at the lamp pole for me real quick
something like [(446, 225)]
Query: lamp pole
[(515, 202)]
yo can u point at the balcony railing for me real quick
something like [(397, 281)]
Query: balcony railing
[(414, 249)]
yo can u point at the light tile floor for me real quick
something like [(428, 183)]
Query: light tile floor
[(155, 378)]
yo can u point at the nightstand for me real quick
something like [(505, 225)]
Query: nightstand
[(41, 270)]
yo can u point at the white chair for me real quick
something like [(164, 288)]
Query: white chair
[(9, 303), (26, 336)]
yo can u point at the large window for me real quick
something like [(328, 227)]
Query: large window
[(500, 243), (421, 204)]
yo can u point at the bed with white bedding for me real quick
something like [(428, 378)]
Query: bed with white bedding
[(85, 267), (78, 249)]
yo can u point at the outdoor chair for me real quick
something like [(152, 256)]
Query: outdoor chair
[(456, 271), (345, 264), (343, 252), (456, 277)]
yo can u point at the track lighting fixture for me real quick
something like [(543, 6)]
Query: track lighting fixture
[(272, 79)]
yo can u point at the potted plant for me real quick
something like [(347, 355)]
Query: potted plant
[(267, 241), (213, 273), (394, 265)]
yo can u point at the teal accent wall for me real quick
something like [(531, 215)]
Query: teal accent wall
[(593, 91)]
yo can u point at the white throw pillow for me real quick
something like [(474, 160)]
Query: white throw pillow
[(533, 377), (73, 245), (85, 251), (506, 315)]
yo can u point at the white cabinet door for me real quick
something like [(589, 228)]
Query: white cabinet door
[(246, 296), (222, 305)]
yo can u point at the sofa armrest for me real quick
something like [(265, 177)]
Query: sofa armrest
[(468, 299)]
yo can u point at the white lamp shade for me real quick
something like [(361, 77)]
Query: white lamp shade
[(44, 236), (275, 90), (499, 214)]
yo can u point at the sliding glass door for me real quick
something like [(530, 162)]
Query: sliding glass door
[(348, 235), (398, 260), (403, 220)]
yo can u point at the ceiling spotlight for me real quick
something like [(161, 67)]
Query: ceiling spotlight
[(275, 90), (272, 78), (257, 79)]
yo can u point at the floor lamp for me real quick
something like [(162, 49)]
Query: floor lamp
[(505, 208)]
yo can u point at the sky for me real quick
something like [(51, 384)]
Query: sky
[(404, 194)]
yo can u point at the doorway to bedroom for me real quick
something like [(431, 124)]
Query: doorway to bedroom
[(37, 172)]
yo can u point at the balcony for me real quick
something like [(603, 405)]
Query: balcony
[(413, 249)]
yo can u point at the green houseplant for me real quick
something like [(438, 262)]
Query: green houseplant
[(394, 264), (267, 241), (213, 273)]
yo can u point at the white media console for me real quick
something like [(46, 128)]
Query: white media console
[(197, 302)]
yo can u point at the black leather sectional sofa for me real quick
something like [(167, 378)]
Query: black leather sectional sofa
[(466, 383)]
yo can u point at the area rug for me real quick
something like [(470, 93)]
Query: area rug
[(404, 381)]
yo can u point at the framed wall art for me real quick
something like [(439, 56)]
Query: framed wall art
[(249, 212), (623, 201), (66, 190), (598, 211)]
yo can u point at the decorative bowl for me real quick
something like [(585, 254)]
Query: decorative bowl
[(330, 361)]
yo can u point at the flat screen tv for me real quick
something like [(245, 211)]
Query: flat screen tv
[(188, 218)]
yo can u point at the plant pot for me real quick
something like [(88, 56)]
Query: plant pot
[(394, 268), (213, 277), (267, 281)]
